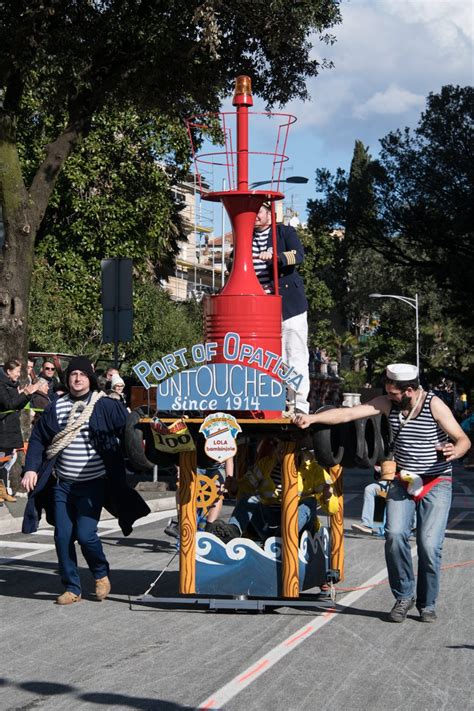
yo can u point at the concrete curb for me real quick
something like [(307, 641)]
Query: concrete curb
[(12, 524)]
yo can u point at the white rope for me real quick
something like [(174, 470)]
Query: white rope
[(68, 434)]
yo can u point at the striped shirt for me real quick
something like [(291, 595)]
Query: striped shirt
[(79, 461), (415, 442), (276, 478), (263, 269)]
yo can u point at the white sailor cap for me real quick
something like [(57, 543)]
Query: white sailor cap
[(401, 371)]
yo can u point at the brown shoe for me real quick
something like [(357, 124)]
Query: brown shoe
[(67, 598), (102, 588), (4, 495)]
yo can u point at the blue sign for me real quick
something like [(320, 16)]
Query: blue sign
[(250, 378), (220, 386)]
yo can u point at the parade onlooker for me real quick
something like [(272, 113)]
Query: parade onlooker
[(109, 374), (47, 372), (31, 375), (117, 386), (74, 466), (426, 440), (12, 401), (377, 488)]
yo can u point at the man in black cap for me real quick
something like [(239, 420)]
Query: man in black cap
[(425, 440), (74, 466)]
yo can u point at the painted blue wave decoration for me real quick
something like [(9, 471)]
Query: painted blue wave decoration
[(242, 567)]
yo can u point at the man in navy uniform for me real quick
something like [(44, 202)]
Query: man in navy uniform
[(290, 253)]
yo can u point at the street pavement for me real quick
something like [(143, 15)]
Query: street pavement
[(118, 655)]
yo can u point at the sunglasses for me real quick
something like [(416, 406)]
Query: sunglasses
[(46, 367)]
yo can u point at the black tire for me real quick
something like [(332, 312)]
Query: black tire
[(349, 441), (154, 455), (327, 445), (386, 436), (368, 442), (134, 439)]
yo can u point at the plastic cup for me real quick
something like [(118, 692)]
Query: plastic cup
[(440, 455)]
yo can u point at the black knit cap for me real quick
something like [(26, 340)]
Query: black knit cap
[(85, 366)]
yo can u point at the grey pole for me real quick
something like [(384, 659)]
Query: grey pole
[(413, 302)]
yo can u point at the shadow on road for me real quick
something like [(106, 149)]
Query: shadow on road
[(40, 580), (45, 689)]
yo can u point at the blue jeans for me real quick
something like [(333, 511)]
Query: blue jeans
[(432, 516), (77, 508), (266, 519), (370, 492)]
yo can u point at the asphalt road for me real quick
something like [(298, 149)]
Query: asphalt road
[(116, 656)]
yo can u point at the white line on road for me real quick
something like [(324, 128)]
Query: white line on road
[(16, 544), (227, 692), (36, 548)]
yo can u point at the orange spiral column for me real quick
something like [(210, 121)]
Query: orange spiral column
[(337, 522), (289, 524), (187, 522)]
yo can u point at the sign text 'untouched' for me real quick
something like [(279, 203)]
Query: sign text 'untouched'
[(189, 380)]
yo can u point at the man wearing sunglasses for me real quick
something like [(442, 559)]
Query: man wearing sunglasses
[(47, 372)]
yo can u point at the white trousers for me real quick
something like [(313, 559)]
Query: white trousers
[(294, 336)]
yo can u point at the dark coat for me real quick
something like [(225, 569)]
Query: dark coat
[(10, 399), (290, 284), (106, 427)]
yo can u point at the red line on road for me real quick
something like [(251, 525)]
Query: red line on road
[(294, 639), (253, 671)]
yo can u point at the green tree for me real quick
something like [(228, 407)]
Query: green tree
[(171, 57), (407, 220), (316, 271), (112, 198), (160, 324), (424, 195)]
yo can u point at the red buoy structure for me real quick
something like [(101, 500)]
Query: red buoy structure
[(243, 307)]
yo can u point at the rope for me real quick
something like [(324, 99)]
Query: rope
[(68, 434)]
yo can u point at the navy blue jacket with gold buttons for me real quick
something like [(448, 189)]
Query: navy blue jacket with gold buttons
[(290, 284)]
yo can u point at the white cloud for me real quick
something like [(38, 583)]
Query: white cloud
[(445, 20), (330, 96), (393, 100)]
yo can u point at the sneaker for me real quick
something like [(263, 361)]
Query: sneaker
[(400, 610), (428, 615), (172, 529), (362, 528), (102, 588), (225, 531), (67, 598)]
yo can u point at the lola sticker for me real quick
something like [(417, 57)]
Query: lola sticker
[(220, 431)]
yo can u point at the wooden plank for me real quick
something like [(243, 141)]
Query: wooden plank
[(337, 522), (187, 522), (289, 523)]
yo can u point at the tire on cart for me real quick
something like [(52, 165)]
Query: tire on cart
[(348, 436), (368, 441), (134, 442), (386, 437), (327, 444)]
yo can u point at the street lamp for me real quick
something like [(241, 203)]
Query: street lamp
[(291, 179), (414, 304)]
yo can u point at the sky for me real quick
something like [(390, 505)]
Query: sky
[(389, 55)]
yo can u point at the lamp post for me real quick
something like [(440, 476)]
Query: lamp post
[(414, 304), (291, 179)]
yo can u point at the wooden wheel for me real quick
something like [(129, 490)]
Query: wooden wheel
[(208, 491)]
